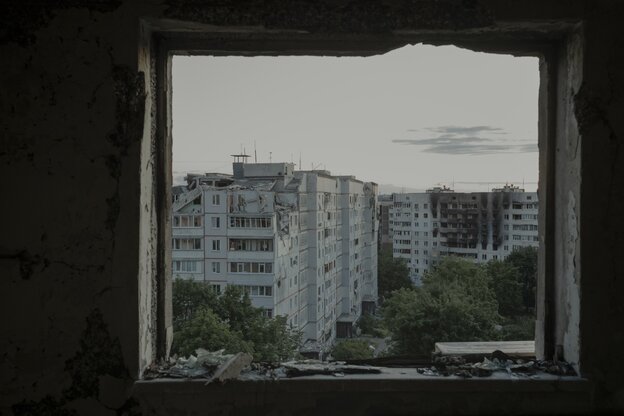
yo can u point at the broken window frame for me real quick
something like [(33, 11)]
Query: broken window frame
[(547, 40)]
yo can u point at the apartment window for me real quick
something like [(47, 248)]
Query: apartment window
[(258, 291), (239, 244), (188, 266), (251, 267), (216, 245), (216, 222), (216, 199), (216, 267), (187, 221), (250, 222), (187, 244)]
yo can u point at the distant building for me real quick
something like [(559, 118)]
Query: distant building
[(303, 244), (479, 226), (386, 203)]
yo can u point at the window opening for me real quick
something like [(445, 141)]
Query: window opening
[(353, 213)]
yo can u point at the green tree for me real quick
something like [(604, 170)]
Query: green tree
[(525, 260), (229, 321), (392, 274), (273, 341), (188, 298), (371, 325), (518, 328), (207, 330), (505, 281), (455, 303), (235, 308), (352, 349)]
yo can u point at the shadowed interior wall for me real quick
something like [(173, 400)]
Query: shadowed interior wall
[(78, 247)]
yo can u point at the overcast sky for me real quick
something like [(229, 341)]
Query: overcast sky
[(415, 117)]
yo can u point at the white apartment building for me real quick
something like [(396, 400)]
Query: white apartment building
[(303, 244), (480, 226)]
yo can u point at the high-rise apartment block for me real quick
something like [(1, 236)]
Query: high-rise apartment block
[(480, 226), (303, 244)]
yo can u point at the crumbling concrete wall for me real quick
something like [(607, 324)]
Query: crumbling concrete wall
[(77, 261)]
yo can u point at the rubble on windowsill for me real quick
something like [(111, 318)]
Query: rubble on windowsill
[(498, 361), (211, 365), (219, 367)]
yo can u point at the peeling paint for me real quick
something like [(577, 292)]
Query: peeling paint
[(572, 285)]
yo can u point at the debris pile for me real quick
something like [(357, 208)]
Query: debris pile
[(216, 366), (211, 365), (498, 361)]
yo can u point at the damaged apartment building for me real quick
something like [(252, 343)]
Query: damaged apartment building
[(302, 244), (479, 226)]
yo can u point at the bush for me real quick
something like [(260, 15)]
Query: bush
[(520, 328), (352, 349), (371, 325)]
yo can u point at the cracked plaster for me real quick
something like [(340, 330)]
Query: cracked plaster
[(73, 140)]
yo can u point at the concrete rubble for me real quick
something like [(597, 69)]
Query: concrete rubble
[(215, 366), (496, 362)]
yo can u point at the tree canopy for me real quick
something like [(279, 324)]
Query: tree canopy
[(392, 274), (505, 281), (525, 261), (463, 301), (455, 303), (352, 349), (229, 321)]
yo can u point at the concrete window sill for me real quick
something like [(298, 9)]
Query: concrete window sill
[(396, 391)]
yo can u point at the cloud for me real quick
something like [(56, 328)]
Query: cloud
[(468, 140), (464, 130)]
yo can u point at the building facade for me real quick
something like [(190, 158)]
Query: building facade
[(479, 226), (303, 244)]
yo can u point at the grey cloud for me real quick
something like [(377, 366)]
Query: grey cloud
[(442, 140), (458, 140), (465, 130), (479, 149), (461, 130)]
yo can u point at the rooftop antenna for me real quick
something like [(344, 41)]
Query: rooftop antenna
[(255, 153), (300, 166)]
